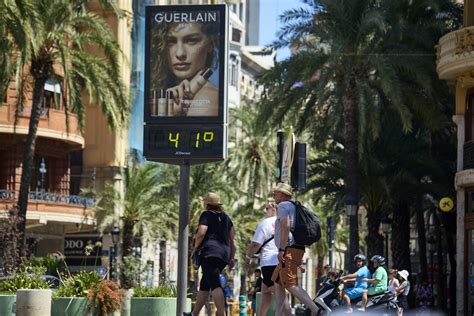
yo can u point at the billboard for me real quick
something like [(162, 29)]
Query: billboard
[(185, 63), (185, 108)]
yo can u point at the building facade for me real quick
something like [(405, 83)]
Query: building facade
[(66, 160), (455, 63)]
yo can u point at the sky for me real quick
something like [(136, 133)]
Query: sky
[(270, 10)]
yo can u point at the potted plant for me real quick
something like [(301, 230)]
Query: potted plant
[(105, 298), (131, 270), (70, 298), (33, 296), (156, 301), (7, 301)]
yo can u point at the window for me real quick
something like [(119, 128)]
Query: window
[(469, 117), (234, 71), (236, 35), (469, 201), (51, 95)]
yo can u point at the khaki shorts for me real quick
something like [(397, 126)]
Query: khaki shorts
[(286, 274)]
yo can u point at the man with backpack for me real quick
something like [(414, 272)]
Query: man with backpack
[(290, 253)]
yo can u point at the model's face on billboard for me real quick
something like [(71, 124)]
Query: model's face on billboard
[(188, 50)]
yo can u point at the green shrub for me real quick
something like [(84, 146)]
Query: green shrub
[(77, 285), (53, 265), (130, 270), (27, 277), (160, 291)]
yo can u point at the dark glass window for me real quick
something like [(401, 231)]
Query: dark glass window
[(469, 201), (469, 117), (236, 34)]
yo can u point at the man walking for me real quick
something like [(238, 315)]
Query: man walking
[(290, 255)]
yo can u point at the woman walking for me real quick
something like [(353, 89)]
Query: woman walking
[(215, 246)]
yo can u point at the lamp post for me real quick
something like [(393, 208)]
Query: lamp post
[(43, 171), (386, 223), (113, 258)]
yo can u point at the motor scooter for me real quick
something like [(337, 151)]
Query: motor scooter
[(329, 300)]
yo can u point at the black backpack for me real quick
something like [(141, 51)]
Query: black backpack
[(307, 228)]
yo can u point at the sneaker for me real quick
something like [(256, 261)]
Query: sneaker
[(348, 311), (188, 314), (361, 309)]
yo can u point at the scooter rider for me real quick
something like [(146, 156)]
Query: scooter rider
[(359, 286), (379, 280)]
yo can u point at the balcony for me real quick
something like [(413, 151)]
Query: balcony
[(52, 124), (47, 206), (455, 54)]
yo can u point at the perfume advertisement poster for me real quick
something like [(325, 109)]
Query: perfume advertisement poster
[(185, 65)]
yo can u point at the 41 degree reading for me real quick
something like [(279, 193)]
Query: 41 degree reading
[(195, 140)]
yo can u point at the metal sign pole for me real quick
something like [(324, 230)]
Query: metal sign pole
[(183, 238)]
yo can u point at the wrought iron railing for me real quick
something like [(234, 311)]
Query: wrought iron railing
[(10, 195)]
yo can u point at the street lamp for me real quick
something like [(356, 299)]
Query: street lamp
[(386, 224), (113, 250), (43, 171)]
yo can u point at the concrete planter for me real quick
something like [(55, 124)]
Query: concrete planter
[(7, 304), (126, 305), (156, 306), (33, 302), (73, 306), (69, 306)]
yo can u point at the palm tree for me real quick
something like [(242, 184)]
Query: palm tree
[(147, 208), (351, 64), (49, 40), (252, 160)]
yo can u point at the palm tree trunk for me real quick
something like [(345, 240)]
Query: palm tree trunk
[(401, 237), (449, 221), (441, 280), (351, 147), (127, 238), (420, 225), (320, 265), (28, 158), (374, 240)]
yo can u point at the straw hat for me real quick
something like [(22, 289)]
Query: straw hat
[(212, 198), (404, 274), (283, 188)]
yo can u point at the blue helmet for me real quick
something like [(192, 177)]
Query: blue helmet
[(379, 259)]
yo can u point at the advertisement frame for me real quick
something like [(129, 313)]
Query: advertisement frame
[(150, 13)]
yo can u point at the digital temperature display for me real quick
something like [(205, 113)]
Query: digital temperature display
[(184, 142)]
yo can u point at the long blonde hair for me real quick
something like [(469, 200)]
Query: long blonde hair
[(160, 75)]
